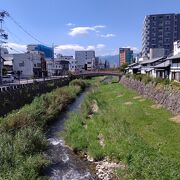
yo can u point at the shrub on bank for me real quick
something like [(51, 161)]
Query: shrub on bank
[(22, 139), (147, 79), (78, 82)]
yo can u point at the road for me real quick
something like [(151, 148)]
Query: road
[(29, 81)]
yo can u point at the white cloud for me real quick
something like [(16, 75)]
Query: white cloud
[(16, 48), (84, 30), (69, 49), (100, 46), (108, 35), (135, 49), (90, 47), (70, 24), (74, 47)]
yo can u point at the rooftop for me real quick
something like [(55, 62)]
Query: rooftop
[(152, 60), (163, 65), (177, 56)]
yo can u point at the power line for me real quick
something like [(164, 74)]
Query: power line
[(19, 51), (13, 35), (24, 30)]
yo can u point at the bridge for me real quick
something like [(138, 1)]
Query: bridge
[(86, 74), (97, 73)]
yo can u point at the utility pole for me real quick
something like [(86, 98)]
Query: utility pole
[(3, 38)]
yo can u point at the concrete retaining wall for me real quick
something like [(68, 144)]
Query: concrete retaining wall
[(14, 97), (164, 95)]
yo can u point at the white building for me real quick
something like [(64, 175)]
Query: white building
[(54, 68), (176, 47), (175, 67), (70, 59), (72, 65), (83, 57), (28, 64), (60, 56)]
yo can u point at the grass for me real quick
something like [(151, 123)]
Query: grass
[(136, 134), (22, 139)]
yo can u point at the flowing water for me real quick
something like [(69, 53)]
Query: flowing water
[(65, 165)]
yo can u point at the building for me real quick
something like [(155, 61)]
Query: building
[(125, 56), (60, 56), (176, 47), (175, 67), (29, 65), (72, 65), (160, 31), (83, 58), (147, 67), (70, 59), (156, 53), (48, 51)]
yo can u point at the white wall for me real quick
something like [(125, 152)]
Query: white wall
[(22, 62), (25, 63), (72, 65), (176, 47)]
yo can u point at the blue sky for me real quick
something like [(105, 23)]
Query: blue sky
[(103, 25)]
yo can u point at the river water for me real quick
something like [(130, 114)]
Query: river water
[(65, 165)]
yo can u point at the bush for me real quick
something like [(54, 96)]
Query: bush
[(147, 79), (78, 82), (161, 81), (22, 139)]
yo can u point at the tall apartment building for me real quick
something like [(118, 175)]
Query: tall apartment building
[(83, 57), (125, 56), (160, 31)]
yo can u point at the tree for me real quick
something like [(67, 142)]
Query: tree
[(123, 67)]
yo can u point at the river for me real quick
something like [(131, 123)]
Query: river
[(65, 165)]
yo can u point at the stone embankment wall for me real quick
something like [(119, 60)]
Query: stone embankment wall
[(165, 95), (14, 97)]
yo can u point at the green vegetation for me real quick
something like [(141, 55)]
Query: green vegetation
[(123, 67), (147, 79), (135, 132), (22, 139), (78, 82)]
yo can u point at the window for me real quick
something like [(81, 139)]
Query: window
[(168, 17), (167, 22), (21, 64), (167, 33), (167, 40), (167, 28), (153, 34), (167, 46)]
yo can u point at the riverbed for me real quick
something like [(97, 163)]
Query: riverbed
[(65, 164)]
